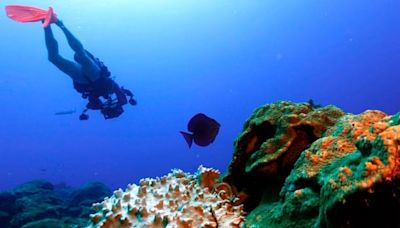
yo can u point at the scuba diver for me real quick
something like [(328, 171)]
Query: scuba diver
[(90, 76)]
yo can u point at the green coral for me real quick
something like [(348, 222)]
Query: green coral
[(339, 179)]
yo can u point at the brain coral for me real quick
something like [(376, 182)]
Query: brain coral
[(348, 178), (271, 142), (176, 200)]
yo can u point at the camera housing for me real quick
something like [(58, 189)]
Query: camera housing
[(110, 112)]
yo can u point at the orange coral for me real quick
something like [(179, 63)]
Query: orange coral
[(352, 168), (360, 153), (273, 139)]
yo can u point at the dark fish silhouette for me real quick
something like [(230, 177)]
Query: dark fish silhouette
[(203, 130)]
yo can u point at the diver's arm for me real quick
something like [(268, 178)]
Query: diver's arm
[(70, 68)]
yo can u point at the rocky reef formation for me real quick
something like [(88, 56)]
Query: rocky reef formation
[(294, 165), (301, 166), (42, 204), (271, 142), (176, 200)]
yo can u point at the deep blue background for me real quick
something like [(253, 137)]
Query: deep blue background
[(180, 57)]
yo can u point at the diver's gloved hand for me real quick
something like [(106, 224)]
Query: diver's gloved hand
[(132, 101)]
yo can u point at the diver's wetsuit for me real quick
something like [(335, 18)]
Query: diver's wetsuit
[(102, 87), (105, 87)]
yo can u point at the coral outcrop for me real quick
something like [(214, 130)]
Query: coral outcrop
[(334, 169), (294, 165), (271, 142), (352, 175), (176, 200)]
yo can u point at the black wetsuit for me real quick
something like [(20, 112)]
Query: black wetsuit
[(104, 87)]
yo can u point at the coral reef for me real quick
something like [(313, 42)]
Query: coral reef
[(352, 174), (334, 169), (294, 165), (176, 200), (41, 204), (271, 142)]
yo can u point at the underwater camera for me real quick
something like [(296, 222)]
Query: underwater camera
[(84, 116), (132, 101), (128, 93), (112, 111)]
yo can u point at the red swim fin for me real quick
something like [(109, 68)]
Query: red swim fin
[(188, 137), (50, 18), (31, 14)]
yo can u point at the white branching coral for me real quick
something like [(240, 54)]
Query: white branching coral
[(176, 200)]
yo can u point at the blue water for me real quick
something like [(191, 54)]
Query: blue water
[(180, 57)]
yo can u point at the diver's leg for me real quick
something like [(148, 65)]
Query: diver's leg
[(73, 42), (70, 68), (89, 68), (51, 44)]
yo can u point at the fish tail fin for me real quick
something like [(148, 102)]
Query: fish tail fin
[(188, 137)]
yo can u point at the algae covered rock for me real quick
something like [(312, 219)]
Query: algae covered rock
[(271, 142), (47, 223), (81, 199), (89, 193), (7, 207), (33, 187), (350, 177), (7, 202), (35, 200), (39, 203)]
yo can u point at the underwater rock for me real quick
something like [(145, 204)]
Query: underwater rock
[(176, 200), (35, 200), (5, 218), (82, 199), (7, 202), (33, 187), (35, 214), (7, 207), (271, 142), (39, 203), (350, 177), (89, 193), (295, 165), (47, 223)]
